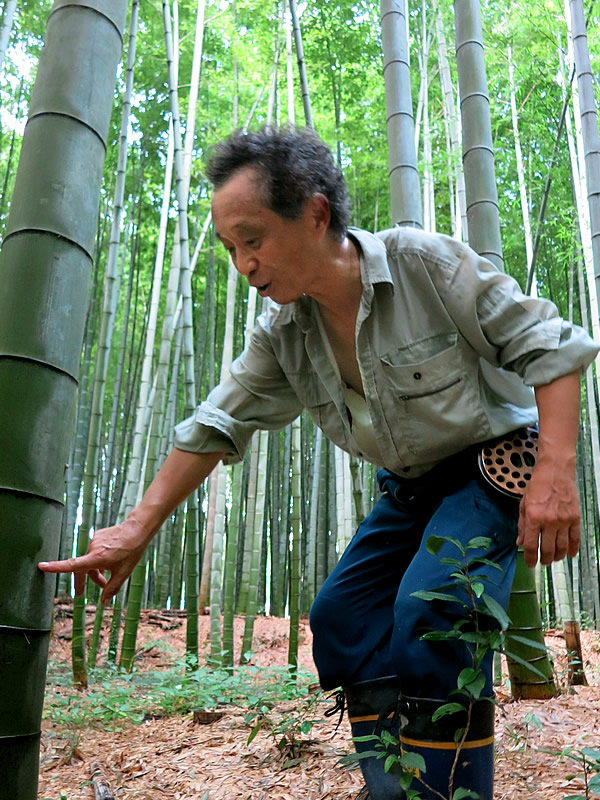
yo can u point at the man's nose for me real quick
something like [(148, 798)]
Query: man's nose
[(246, 264)]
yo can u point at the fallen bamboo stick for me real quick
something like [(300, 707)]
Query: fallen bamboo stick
[(102, 790)]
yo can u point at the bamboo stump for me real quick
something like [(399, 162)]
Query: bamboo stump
[(574, 654)]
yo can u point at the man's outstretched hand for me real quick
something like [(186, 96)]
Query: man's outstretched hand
[(116, 550)]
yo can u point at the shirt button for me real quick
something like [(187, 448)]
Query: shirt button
[(417, 376)]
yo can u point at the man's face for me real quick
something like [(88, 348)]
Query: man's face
[(273, 253)]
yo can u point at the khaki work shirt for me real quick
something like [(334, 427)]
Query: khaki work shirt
[(448, 348)]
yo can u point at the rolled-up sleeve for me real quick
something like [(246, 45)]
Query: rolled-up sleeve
[(255, 395), (511, 330)]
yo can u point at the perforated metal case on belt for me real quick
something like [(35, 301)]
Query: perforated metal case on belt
[(508, 463)]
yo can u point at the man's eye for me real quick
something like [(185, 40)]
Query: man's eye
[(252, 242)]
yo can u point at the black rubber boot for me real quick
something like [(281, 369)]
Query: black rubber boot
[(372, 708), (435, 742)]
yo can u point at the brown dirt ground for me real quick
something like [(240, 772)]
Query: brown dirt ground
[(171, 758)]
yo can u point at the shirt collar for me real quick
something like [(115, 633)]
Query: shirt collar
[(373, 269), (373, 262)]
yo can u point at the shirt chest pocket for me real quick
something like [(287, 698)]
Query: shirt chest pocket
[(433, 402), (424, 368)]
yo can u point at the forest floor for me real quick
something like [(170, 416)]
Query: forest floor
[(116, 730)]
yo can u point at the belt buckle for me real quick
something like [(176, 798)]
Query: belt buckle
[(508, 463)]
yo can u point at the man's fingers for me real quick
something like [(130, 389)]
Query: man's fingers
[(68, 565), (107, 596), (529, 535), (561, 543), (530, 544), (98, 577), (81, 567), (112, 588), (548, 545), (79, 579), (554, 541)]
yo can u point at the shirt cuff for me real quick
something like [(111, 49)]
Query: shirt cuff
[(211, 430), (574, 353)]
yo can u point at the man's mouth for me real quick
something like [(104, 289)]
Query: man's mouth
[(262, 290)]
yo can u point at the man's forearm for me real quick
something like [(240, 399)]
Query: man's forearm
[(558, 406), (549, 516), (181, 473)]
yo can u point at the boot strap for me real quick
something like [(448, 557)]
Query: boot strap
[(508, 463)]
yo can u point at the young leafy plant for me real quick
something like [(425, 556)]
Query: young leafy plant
[(288, 728), (589, 760)]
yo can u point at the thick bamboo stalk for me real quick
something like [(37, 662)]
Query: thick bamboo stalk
[(478, 152), (404, 178), (428, 178), (589, 122), (45, 266)]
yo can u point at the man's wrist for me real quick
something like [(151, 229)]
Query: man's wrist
[(145, 523), (550, 449)]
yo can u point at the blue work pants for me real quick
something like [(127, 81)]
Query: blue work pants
[(366, 624)]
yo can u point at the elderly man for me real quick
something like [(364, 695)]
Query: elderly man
[(412, 352)]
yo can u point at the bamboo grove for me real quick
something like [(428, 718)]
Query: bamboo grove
[(392, 90)]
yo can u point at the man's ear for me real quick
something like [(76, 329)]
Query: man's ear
[(320, 212)]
